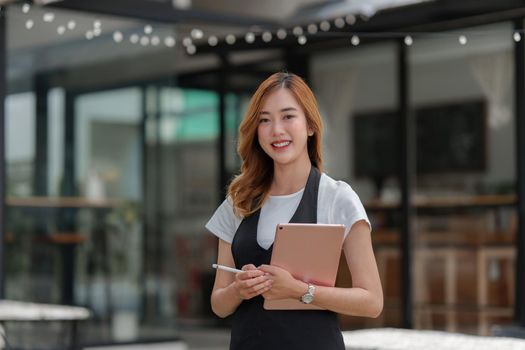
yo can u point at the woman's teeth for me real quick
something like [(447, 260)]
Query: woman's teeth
[(281, 144)]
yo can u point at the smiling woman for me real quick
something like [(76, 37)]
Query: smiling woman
[(283, 130), (281, 181)]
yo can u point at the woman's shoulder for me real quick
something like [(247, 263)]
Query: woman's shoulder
[(342, 202), (332, 187)]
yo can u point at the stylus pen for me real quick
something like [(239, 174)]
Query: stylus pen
[(226, 268)]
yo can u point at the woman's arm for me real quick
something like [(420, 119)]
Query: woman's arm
[(229, 289), (365, 298)]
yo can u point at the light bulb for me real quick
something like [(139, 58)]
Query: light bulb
[(117, 36), (49, 17), (191, 49), (350, 19), (325, 26), (297, 31), (230, 39), (281, 34), (134, 38), (339, 23), (267, 37), (144, 41), (249, 37), (155, 40), (213, 41), (197, 34), (30, 23), (169, 41)]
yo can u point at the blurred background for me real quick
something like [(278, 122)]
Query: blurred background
[(120, 127)]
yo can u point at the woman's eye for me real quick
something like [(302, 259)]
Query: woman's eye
[(263, 120), (289, 116)]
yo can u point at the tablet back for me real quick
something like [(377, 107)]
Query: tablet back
[(311, 253)]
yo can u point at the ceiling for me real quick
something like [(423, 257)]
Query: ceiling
[(46, 47)]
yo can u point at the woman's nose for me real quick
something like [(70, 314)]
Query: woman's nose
[(277, 128)]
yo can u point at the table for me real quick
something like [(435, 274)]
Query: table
[(407, 339), (67, 238), (20, 311)]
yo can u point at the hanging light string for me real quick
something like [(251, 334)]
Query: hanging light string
[(324, 29)]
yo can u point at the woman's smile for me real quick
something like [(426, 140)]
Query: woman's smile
[(281, 144)]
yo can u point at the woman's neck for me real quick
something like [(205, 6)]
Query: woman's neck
[(290, 178)]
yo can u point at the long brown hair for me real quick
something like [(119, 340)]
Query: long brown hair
[(250, 188)]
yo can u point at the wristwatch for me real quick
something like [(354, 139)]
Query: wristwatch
[(308, 297)]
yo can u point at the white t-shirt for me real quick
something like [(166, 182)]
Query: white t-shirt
[(337, 203)]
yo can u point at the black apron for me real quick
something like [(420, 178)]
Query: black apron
[(256, 328)]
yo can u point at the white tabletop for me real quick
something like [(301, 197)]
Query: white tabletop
[(404, 339), (26, 311)]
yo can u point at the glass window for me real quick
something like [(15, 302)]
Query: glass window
[(357, 91), (465, 229)]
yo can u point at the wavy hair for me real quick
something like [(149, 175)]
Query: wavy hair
[(251, 187)]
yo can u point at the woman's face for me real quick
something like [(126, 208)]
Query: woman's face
[(283, 131)]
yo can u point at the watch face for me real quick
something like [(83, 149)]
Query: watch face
[(308, 298)]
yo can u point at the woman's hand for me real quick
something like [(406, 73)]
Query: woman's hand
[(251, 282), (284, 284)]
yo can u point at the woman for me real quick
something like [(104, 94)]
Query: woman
[(281, 180)]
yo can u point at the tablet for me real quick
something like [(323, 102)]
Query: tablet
[(311, 253)]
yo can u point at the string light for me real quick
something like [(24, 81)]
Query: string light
[(144, 41), (281, 34), (325, 26), (169, 41), (312, 28), (155, 40), (29, 24), (350, 19), (25, 8), (297, 31), (249, 37), (49, 17), (187, 41), (230, 39), (191, 50), (117, 36), (339, 23), (267, 37), (213, 41), (134, 38), (197, 34)]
